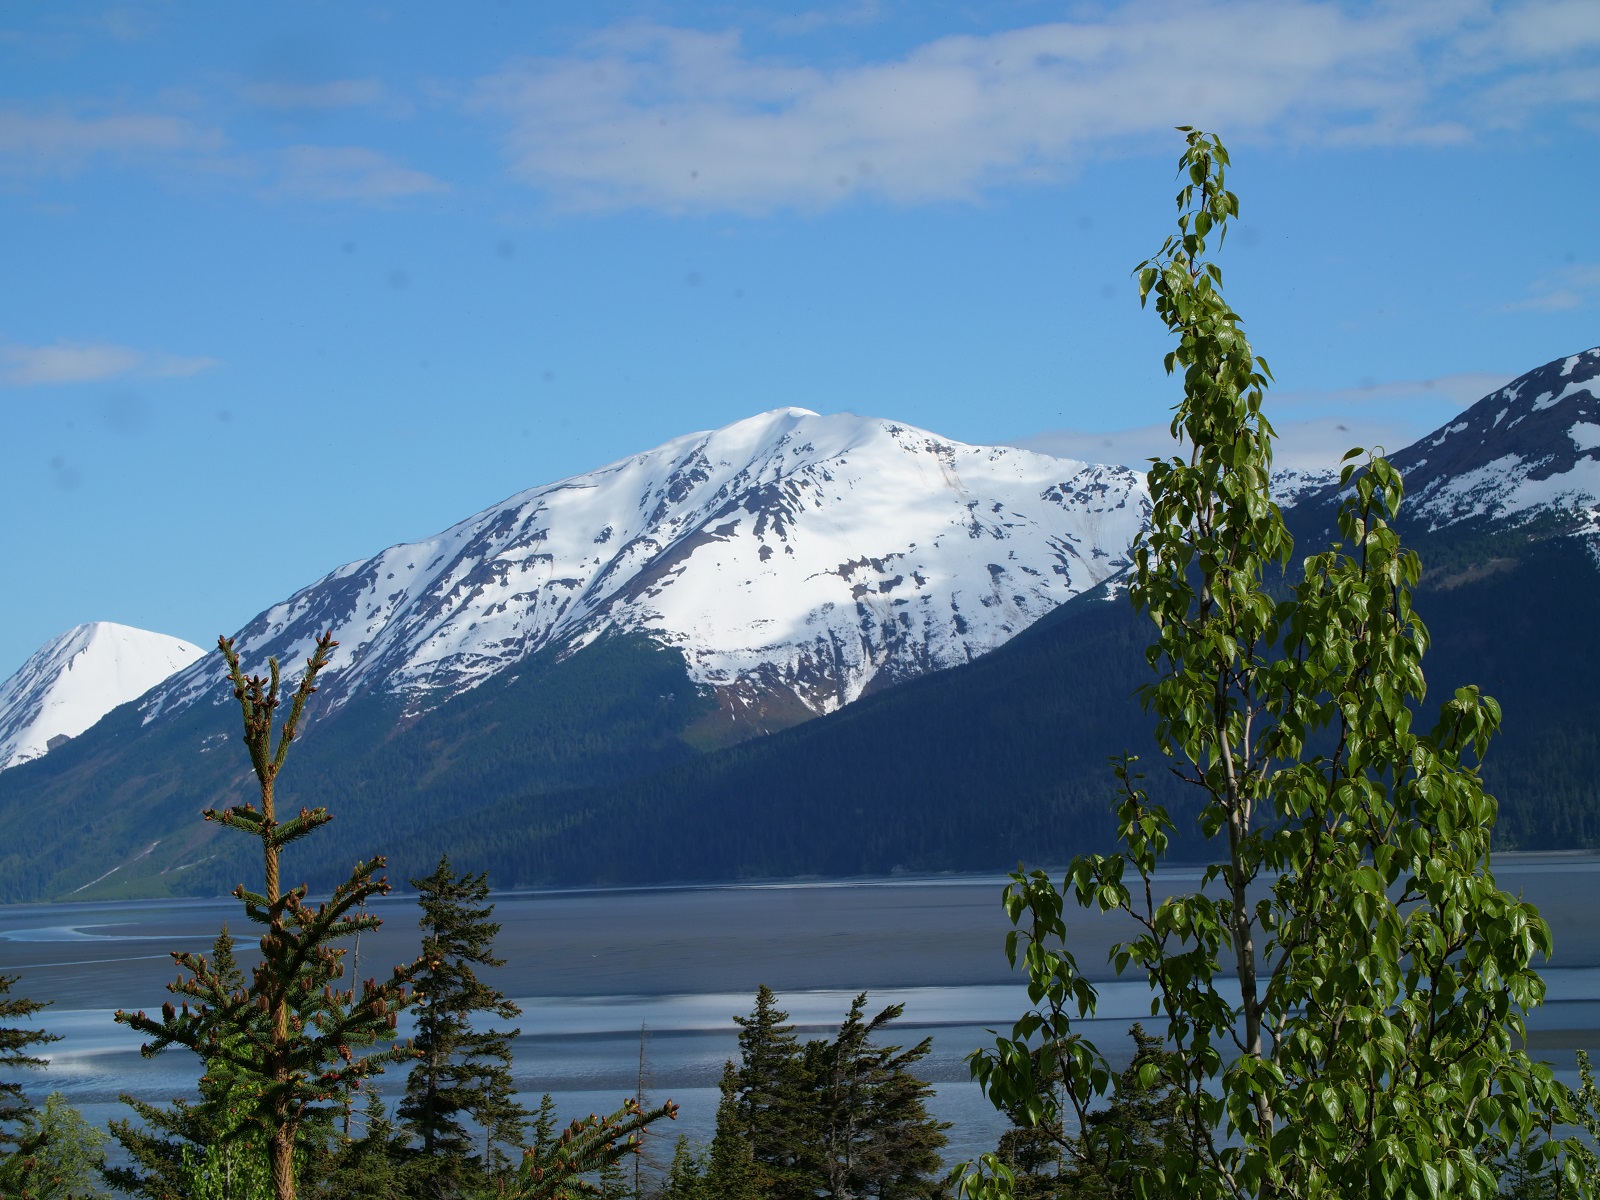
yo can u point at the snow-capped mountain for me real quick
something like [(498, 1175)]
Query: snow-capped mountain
[(77, 678), (1531, 448), (790, 552)]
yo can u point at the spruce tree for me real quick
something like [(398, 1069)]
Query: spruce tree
[(177, 1151), (686, 1174), (461, 1071), (290, 1036), (16, 1111), (772, 1111), (563, 1168), (732, 1169), (369, 1167), (875, 1136), (544, 1126)]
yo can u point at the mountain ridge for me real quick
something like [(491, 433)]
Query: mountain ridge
[(788, 552), (601, 762)]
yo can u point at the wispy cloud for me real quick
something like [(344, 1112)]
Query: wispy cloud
[(862, 12), (686, 120), (86, 362), (1573, 286), (346, 173), (1315, 428), (62, 142)]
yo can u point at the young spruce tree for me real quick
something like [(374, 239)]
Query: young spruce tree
[(1368, 1038), (773, 1117), (193, 1149), (461, 1071), (16, 1111), (290, 1037)]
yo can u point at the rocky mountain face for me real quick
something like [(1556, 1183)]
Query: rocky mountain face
[(795, 560), (593, 630), (77, 678), (1530, 451), (1004, 760), (543, 688)]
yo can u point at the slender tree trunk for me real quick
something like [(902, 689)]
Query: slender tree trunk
[(282, 1144)]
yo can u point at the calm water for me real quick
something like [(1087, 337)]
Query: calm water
[(591, 968)]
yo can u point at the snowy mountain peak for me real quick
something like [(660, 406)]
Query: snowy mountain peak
[(1531, 447), (788, 552), (77, 678)]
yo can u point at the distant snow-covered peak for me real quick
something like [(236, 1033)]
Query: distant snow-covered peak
[(788, 551), (1291, 484), (77, 678), (1531, 447)]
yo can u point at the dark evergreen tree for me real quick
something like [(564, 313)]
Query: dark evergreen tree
[(290, 1036), (461, 1071), (686, 1176), (875, 1136), (16, 1112), (613, 1181), (567, 1166), (732, 1170), (772, 1112), (544, 1126), (369, 1167)]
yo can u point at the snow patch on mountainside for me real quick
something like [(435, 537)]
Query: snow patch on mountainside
[(76, 679), (790, 551), (1290, 485), (1531, 448)]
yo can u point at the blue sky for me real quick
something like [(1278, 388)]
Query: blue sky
[(285, 284)]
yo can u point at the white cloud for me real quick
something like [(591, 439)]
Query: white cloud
[(1314, 428), (87, 362), (686, 120), (64, 142), (347, 173)]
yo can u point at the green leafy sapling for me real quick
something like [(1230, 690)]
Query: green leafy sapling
[(1345, 993)]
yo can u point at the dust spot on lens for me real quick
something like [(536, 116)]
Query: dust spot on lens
[(64, 475), (399, 280), (505, 248), (124, 413)]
